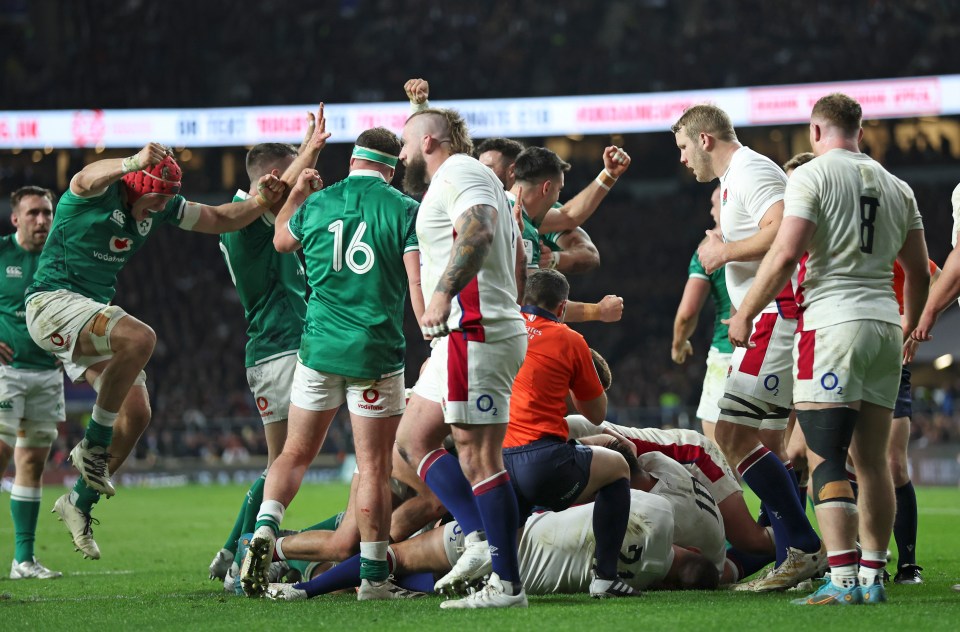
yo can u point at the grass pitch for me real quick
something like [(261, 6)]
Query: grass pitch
[(157, 543)]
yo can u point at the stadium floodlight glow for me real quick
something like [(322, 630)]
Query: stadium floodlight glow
[(575, 116), (943, 362)]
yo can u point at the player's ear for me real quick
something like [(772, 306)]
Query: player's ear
[(706, 141)]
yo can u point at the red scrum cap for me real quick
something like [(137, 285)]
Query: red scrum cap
[(163, 177)]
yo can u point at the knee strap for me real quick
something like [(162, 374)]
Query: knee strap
[(37, 434), (101, 326), (828, 433)]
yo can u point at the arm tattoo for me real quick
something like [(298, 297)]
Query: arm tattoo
[(475, 229)]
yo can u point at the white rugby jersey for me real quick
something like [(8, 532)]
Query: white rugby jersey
[(486, 309), (557, 549), (695, 452), (696, 519), (752, 184), (862, 215)]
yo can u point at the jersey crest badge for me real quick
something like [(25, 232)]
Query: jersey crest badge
[(143, 226), (120, 244)]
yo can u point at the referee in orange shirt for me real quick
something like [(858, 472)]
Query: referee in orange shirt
[(545, 469)]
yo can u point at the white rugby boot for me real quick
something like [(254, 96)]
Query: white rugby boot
[(80, 526), (32, 569), (472, 566), (92, 462), (492, 595)]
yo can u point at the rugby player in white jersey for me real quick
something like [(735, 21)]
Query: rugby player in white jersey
[(469, 245), (556, 553), (846, 221), (701, 458), (757, 394)]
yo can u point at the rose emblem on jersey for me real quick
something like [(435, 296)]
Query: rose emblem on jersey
[(143, 226), (724, 202), (120, 244)]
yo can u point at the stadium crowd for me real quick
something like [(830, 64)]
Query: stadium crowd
[(756, 39)]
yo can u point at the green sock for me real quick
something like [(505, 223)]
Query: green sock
[(254, 498), (231, 544), (330, 524), (83, 497), (373, 561), (98, 434), (25, 509), (374, 570)]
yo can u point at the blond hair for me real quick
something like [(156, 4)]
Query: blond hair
[(798, 160), (706, 118), (451, 128)]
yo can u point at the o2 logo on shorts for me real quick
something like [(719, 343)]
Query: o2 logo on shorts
[(262, 403), (772, 384), (831, 382), (371, 395), (485, 405)]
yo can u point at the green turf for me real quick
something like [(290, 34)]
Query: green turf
[(157, 543)]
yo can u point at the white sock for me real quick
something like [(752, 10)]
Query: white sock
[(271, 510)]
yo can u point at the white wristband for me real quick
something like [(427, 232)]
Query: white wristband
[(554, 260)]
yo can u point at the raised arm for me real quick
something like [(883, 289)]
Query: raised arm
[(94, 179), (227, 218), (307, 183), (475, 229), (579, 209)]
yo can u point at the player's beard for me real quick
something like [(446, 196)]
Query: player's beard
[(415, 176), (702, 165)]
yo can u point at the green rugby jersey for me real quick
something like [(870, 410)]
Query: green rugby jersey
[(272, 287), (531, 236), (721, 301), (92, 239), (354, 235), (19, 267)]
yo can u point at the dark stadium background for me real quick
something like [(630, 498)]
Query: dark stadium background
[(141, 54)]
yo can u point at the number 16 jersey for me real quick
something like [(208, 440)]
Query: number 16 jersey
[(863, 215), (354, 235)]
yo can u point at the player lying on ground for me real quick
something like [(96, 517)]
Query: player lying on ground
[(556, 555)]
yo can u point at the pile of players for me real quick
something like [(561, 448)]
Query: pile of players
[(486, 486)]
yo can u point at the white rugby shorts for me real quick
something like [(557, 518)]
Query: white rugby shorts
[(858, 360), (55, 320), (765, 372), (472, 380), (317, 391), (271, 382), (713, 382), (31, 398)]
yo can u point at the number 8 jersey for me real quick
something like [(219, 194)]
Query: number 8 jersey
[(862, 215)]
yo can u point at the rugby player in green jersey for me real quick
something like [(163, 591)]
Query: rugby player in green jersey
[(109, 211), (31, 384), (272, 289), (539, 177), (358, 240), (700, 285)]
